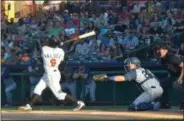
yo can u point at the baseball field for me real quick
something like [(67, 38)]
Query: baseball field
[(89, 113)]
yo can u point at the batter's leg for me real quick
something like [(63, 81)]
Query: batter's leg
[(36, 95), (53, 84)]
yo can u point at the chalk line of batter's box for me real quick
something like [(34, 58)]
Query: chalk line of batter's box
[(147, 115)]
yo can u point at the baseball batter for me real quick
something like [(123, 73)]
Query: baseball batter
[(145, 79), (52, 57)]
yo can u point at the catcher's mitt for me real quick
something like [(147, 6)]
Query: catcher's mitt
[(100, 77)]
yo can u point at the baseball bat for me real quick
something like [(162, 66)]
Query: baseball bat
[(86, 35)]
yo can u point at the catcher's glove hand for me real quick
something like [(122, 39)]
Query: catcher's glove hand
[(100, 77)]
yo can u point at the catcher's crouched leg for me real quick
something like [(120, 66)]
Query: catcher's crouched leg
[(141, 107)]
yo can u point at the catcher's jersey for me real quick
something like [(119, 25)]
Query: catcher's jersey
[(52, 58), (144, 77)]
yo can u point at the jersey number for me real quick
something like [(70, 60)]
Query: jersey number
[(147, 74), (53, 62)]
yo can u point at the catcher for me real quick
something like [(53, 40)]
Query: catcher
[(144, 78)]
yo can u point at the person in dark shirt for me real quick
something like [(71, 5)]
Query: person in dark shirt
[(89, 85), (68, 81), (155, 30), (181, 49), (175, 66), (179, 26)]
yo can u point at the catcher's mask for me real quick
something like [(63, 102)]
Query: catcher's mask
[(131, 60)]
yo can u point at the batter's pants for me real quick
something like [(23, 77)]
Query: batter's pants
[(51, 80)]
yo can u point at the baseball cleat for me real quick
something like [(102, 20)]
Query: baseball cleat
[(25, 108), (80, 106)]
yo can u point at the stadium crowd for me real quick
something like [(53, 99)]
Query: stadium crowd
[(119, 31)]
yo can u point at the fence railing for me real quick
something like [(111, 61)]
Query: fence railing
[(112, 87)]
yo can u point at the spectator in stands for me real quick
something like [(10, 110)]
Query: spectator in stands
[(84, 20), (34, 67), (9, 82), (66, 15), (57, 29), (118, 52), (130, 41), (113, 19), (179, 26), (104, 52), (155, 30), (91, 27), (100, 23), (25, 58), (75, 19), (169, 21), (69, 80), (70, 29), (181, 49), (21, 28), (82, 48), (93, 18), (105, 40), (93, 44), (89, 85), (136, 7)]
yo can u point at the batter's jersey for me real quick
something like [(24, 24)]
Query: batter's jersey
[(52, 58), (144, 77)]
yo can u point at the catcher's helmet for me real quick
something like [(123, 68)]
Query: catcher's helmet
[(131, 60)]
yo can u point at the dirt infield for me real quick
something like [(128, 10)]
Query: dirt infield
[(89, 114)]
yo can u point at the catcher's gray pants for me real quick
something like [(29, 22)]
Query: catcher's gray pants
[(71, 86), (89, 88), (10, 85), (148, 96)]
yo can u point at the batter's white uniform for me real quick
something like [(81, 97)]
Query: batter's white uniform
[(52, 58)]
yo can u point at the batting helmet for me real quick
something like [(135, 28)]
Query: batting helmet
[(131, 60), (53, 42)]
